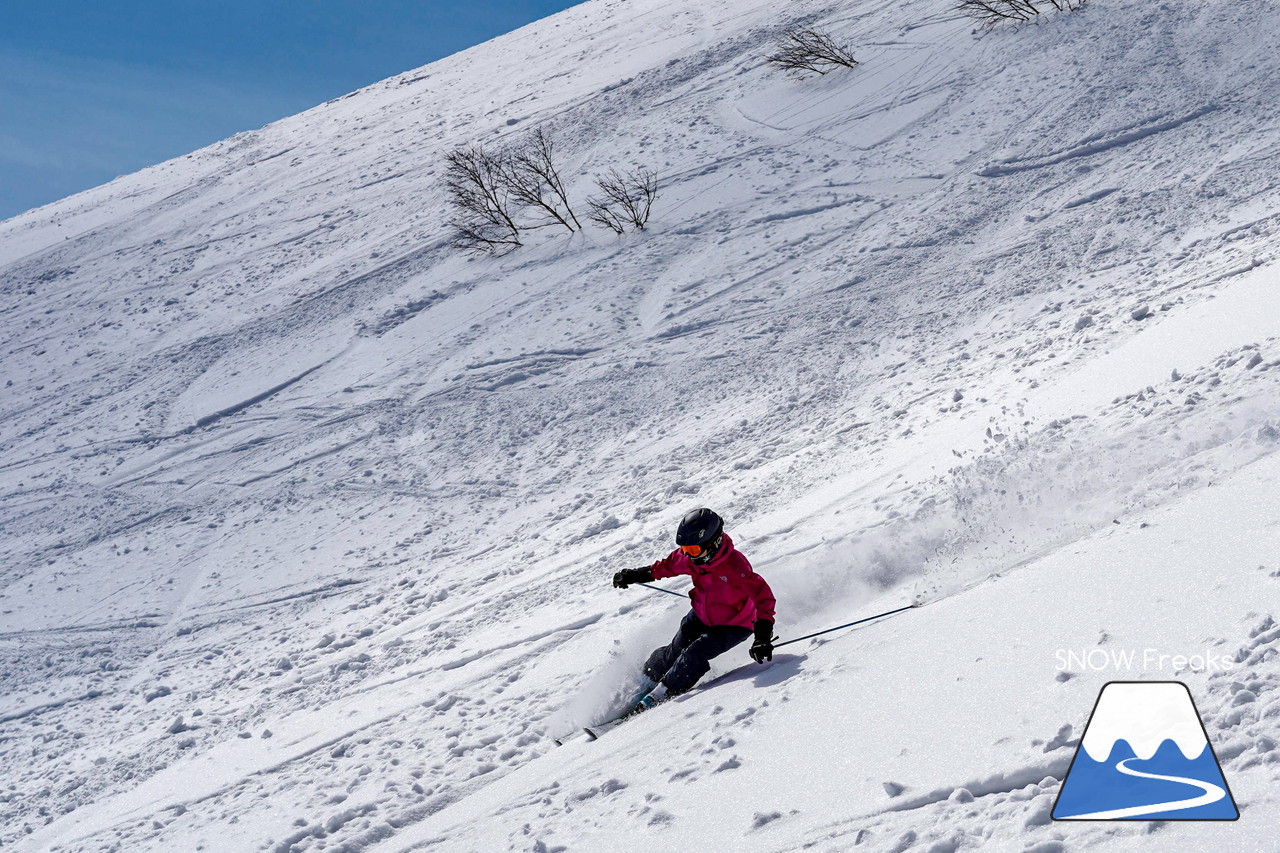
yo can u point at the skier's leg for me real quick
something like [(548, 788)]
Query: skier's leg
[(694, 661), (662, 658)]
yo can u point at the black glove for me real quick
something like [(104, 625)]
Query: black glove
[(762, 648), (630, 576)]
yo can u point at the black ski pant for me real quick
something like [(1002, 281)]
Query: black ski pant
[(684, 660)]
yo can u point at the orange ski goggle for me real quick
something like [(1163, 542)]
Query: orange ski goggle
[(692, 550)]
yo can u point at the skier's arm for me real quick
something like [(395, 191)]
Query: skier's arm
[(667, 568), (762, 648), (762, 595), (627, 577)]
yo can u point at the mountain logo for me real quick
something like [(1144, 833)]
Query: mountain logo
[(1145, 755)]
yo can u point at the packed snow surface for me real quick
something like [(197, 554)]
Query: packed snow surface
[(308, 519)]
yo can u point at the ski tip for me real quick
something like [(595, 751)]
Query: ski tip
[(591, 735)]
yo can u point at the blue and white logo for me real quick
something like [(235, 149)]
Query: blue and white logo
[(1145, 756)]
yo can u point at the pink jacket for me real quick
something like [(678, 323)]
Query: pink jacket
[(726, 591)]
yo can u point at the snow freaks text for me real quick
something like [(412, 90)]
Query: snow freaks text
[(1130, 660)]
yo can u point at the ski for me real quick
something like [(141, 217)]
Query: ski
[(599, 729), (588, 733), (579, 734), (596, 730), (593, 731)]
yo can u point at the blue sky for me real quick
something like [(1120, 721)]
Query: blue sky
[(92, 90)]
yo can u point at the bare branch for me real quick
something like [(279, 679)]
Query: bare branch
[(498, 195), (478, 237), (992, 12), (532, 178), (599, 212), (626, 199), (805, 51), (475, 182)]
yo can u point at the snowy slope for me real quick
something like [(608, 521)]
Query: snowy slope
[(308, 520)]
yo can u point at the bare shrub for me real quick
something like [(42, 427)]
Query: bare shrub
[(498, 195), (804, 51), (532, 179), (478, 188), (625, 199), (992, 12)]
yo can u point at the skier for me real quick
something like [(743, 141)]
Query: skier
[(730, 603)]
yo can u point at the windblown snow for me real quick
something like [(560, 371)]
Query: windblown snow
[(309, 518)]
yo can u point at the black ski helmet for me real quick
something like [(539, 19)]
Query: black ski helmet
[(700, 534)]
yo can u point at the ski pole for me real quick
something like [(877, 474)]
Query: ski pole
[(838, 627), (660, 589)]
